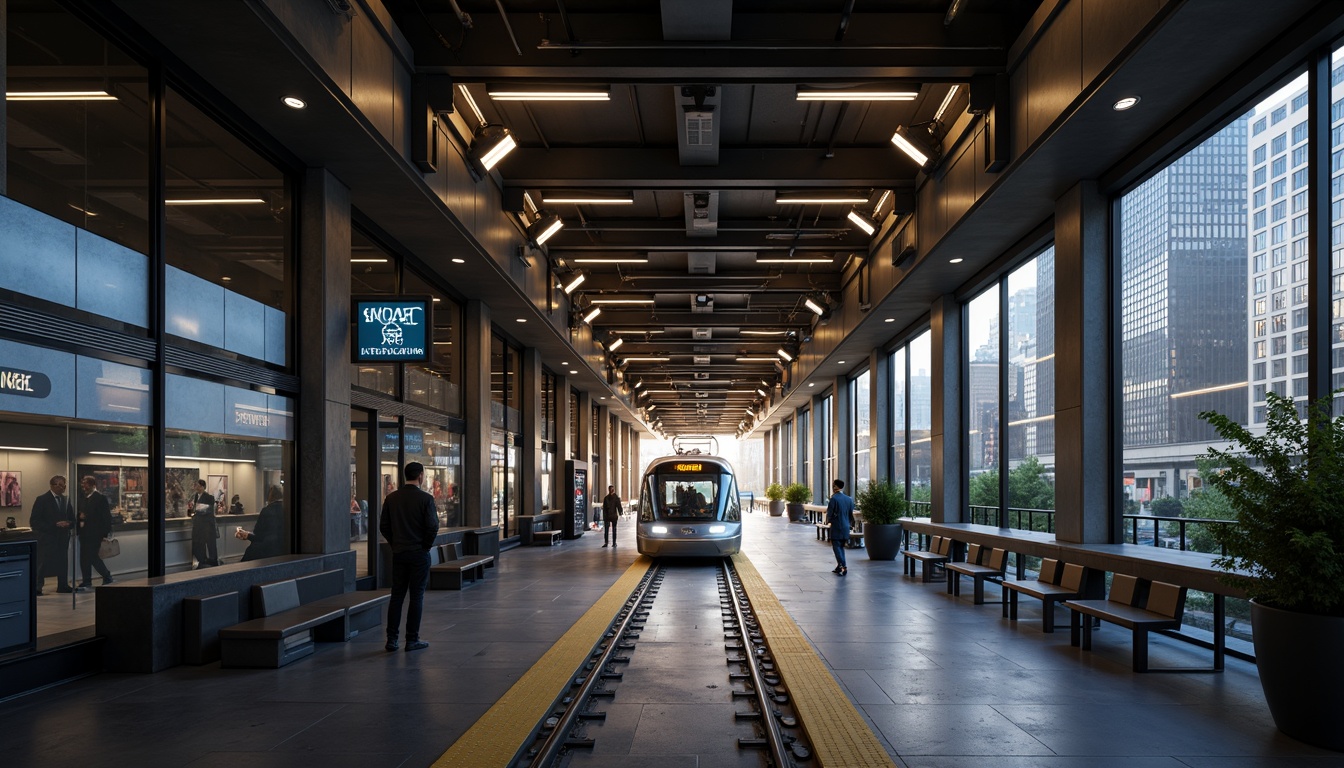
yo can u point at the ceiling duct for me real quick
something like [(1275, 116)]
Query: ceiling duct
[(698, 124), (702, 333), (701, 262), (700, 359)]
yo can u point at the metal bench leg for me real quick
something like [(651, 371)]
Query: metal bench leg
[(1012, 606), (1140, 650), (1219, 632), (1047, 615), (979, 591), (1075, 628), (953, 581)]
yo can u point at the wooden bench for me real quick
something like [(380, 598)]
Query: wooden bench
[(937, 554), (287, 627), (1162, 608), (1048, 587), (546, 538), (979, 572), (450, 569)]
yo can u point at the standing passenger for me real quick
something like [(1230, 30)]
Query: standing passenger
[(203, 530), (611, 512), (51, 519), (410, 522), (840, 514)]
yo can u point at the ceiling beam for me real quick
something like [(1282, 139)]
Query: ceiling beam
[(739, 168), (682, 282), (751, 319)]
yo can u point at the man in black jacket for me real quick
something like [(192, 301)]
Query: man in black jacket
[(95, 524), (52, 519), (409, 523)]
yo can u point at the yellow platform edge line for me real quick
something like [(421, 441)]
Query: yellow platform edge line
[(838, 734), (493, 740)]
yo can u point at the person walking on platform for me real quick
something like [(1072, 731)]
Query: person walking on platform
[(51, 519), (410, 521), (840, 516), (95, 524), (611, 512)]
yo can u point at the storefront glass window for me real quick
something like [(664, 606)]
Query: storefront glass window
[(440, 451), (373, 272), (437, 383)]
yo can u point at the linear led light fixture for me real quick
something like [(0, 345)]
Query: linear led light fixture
[(214, 201), (368, 261), (756, 359), (588, 198), (654, 359), (814, 306), (763, 333), (635, 331), (784, 353), (947, 102), (544, 228), (812, 198), (622, 301), (761, 392), (614, 260), (22, 448), (794, 260), (490, 144), (862, 222), (575, 283), (866, 93), (615, 345), (59, 96), (537, 93), (182, 458), (592, 314), (903, 140)]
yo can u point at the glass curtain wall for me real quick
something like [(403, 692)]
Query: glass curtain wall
[(825, 425), (982, 406), (787, 449), (899, 429), (804, 446), (505, 422), (859, 395), (548, 436), (1030, 399), (437, 384), (912, 419), (373, 272), (440, 451)]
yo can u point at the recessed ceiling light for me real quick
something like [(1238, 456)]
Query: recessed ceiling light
[(294, 102), (573, 373), (811, 384), (522, 319), (889, 320), (226, 278), (1125, 103), (459, 261), (839, 362), (957, 260)]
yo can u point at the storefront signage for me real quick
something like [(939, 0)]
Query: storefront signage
[(415, 441), (14, 381), (393, 329)]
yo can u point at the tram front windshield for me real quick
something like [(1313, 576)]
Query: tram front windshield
[(684, 496)]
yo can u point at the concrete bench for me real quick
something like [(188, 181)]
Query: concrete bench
[(979, 572), (450, 569), (1162, 609), (203, 617), (546, 538), (1048, 587), (288, 626), (938, 553)]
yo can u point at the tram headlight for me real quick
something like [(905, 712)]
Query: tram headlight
[(660, 529), (718, 528)]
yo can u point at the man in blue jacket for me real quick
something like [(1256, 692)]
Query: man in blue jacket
[(840, 515), (410, 521)]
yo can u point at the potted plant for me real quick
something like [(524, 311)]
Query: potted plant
[(797, 495), (1287, 553), (882, 506), (775, 493)]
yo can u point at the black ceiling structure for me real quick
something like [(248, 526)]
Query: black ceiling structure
[(724, 254)]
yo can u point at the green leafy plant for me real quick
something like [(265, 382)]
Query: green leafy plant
[(797, 493), (1287, 490), (881, 503), (774, 492)]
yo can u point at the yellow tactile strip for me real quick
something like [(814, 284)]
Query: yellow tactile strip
[(839, 735), (494, 739)]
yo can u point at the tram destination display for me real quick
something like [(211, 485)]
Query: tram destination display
[(392, 329)]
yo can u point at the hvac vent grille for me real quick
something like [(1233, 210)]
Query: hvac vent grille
[(699, 129)]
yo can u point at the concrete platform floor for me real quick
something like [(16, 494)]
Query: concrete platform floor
[(944, 683)]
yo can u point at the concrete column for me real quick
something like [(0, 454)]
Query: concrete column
[(769, 446), (1083, 439), (476, 507), (879, 415), (563, 449), (603, 449), (948, 480), (323, 316), (529, 477)]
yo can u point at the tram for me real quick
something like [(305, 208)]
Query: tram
[(688, 507)]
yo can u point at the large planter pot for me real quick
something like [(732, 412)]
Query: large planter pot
[(796, 513), (1301, 672), (776, 508), (882, 541)]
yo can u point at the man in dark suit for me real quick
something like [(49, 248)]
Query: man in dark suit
[(52, 520), (410, 521), (95, 524)]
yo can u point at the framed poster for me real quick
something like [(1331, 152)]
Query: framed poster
[(106, 480), (11, 489), (178, 485), (218, 486)]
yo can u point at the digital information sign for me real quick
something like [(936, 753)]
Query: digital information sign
[(392, 329)]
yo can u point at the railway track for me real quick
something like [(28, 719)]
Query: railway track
[(760, 718)]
